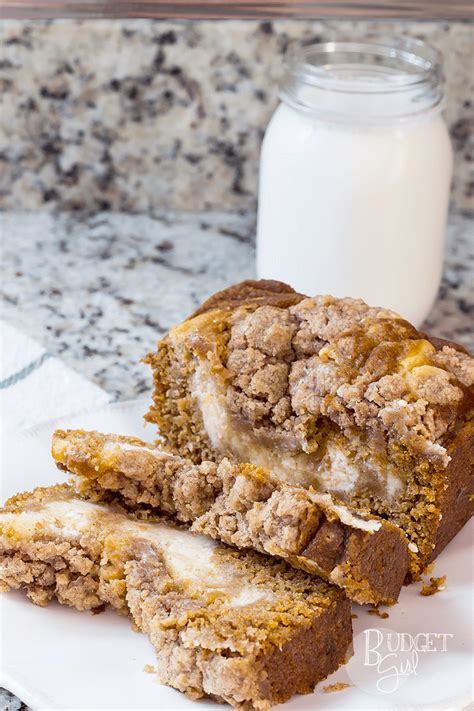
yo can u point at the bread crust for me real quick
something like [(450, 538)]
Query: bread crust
[(252, 292), (457, 505)]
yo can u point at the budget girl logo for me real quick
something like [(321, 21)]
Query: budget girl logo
[(384, 659)]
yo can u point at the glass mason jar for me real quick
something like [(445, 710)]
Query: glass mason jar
[(355, 174)]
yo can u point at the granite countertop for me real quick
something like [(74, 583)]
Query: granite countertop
[(98, 291), (135, 115)]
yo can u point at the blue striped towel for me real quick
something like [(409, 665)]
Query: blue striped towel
[(36, 387)]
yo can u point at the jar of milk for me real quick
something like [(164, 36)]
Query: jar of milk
[(355, 174)]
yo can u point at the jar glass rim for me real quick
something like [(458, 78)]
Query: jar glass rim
[(375, 67), (415, 60)]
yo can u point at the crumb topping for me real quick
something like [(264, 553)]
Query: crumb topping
[(342, 361)]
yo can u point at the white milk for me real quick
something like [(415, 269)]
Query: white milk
[(354, 188)]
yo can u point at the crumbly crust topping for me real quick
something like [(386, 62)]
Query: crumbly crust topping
[(345, 362)]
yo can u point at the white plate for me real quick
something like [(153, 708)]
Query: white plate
[(58, 659)]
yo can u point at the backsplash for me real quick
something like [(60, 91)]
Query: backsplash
[(140, 115)]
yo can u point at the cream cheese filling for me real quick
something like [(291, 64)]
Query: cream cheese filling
[(226, 438), (111, 447), (344, 514), (188, 556), (66, 518), (191, 557), (335, 472), (339, 474)]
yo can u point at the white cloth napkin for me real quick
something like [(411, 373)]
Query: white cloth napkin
[(36, 387)]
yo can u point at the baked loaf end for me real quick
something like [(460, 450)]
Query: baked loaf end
[(329, 393), (243, 505), (237, 627)]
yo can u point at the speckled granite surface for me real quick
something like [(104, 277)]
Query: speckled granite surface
[(8, 702), (98, 291), (137, 115)]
